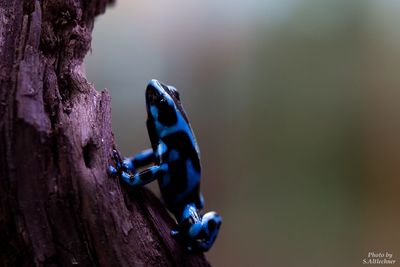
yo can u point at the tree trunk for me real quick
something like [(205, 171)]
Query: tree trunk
[(58, 206)]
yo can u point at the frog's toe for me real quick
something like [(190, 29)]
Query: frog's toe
[(112, 170), (174, 233), (128, 165), (117, 158)]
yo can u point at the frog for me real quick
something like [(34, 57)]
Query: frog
[(174, 161)]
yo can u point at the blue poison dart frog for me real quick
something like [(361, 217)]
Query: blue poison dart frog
[(174, 161)]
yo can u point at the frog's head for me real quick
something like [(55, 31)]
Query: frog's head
[(163, 105)]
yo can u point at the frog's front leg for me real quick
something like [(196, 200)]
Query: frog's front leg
[(146, 176), (140, 160), (126, 172)]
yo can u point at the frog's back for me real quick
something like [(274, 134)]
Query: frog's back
[(182, 183)]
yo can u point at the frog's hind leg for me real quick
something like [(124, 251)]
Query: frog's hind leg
[(195, 232), (210, 224)]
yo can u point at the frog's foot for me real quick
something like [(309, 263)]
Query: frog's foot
[(128, 164), (210, 224), (112, 170), (121, 169), (200, 235), (174, 233)]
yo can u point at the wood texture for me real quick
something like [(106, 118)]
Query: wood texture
[(58, 206)]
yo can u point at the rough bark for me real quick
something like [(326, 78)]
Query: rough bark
[(58, 206)]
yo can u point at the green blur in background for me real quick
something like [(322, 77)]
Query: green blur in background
[(296, 108)]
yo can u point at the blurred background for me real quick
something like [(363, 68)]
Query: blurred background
[(296, 108)]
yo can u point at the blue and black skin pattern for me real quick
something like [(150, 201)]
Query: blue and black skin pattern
[(174, 161)]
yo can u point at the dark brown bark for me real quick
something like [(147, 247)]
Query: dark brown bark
[(58, 206)]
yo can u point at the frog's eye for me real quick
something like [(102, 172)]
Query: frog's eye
[(174, 92)]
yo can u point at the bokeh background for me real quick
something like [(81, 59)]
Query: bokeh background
[(296, 108)]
